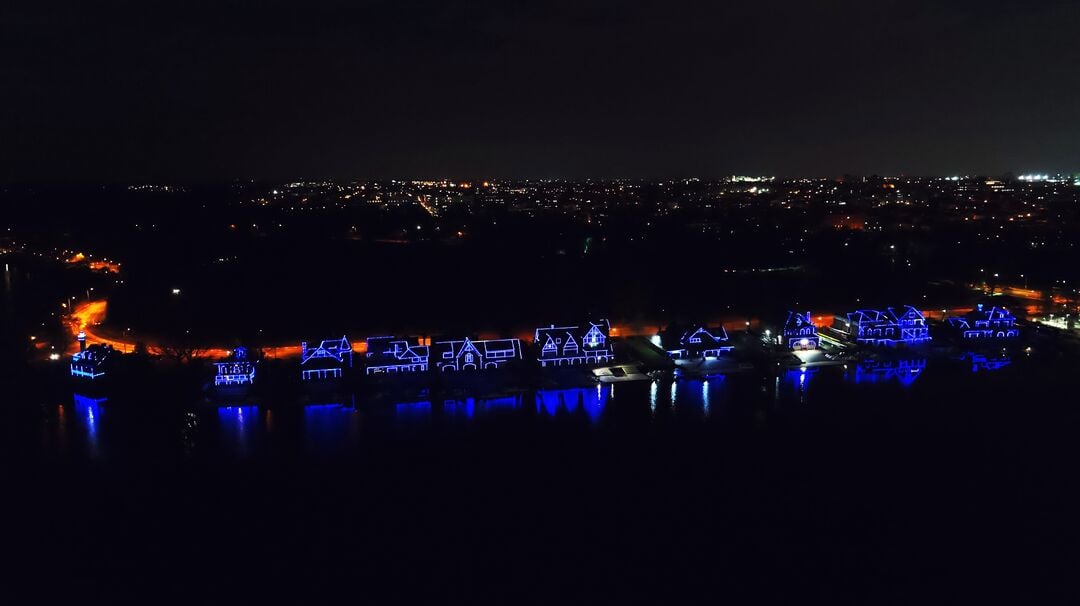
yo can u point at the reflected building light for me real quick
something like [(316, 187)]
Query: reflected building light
[(494, 404), (413, 410), (89, 410), (465, 408)]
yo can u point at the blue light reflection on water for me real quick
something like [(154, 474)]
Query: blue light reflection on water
[(469, 408), (589, 400), (239, 425), (460, 408), (903, 371), (795, 382), (88, 415), (500, 404), (697, 393), (328, 428), (985, 363), (413, 411)]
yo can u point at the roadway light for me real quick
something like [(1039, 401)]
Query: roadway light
[(176, 291)]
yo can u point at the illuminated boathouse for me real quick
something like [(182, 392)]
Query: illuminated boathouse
[(574, 345), (467, 354), (237, 369), (329, 360), (91, 362), (695, 341), (387, 355), (887, 327), (984, 324), (799, 332)]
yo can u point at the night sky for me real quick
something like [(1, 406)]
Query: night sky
[(220, 89)]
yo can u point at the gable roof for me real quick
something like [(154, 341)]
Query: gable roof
[(797, 320), (908, 313), (870, 315), (336, 349), (466, 345), (958, 322), (96, 353), (574, 338), (716, 335)]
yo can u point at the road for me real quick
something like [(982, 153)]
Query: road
[(88, 316)]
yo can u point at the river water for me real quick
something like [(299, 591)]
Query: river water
[(923, 480), (87, 426), (927, 481)]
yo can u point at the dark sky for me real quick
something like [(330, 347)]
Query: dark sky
[(215, 89)]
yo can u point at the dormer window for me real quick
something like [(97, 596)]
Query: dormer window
[(593, 338)]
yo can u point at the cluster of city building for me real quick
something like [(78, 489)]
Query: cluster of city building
[(587, 344), (855, 203)]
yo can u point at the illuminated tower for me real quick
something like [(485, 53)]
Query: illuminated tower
[(82, 340)]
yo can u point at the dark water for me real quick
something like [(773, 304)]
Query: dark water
[(952, 480), (91, 427)]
